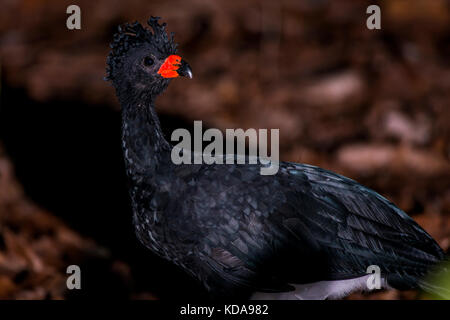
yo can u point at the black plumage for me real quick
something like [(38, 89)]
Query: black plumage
[(238, 231)]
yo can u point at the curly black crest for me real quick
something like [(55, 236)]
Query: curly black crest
[(131, 35)]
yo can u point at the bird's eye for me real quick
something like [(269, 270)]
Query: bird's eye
[(148, 61)]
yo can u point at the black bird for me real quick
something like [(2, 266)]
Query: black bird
[(304, 233)]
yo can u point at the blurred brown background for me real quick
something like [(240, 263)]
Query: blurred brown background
[(372, 105)]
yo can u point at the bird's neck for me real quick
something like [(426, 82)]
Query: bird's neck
[(143, 142)]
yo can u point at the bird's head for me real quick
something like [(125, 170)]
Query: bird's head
[(144, 61)]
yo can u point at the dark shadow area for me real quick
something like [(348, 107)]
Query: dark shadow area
[(68, 157)]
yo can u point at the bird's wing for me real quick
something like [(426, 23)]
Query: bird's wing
[(357, 228), (302, 225)]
